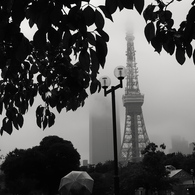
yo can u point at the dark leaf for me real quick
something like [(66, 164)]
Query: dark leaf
[(103, 34), (169, 47), (31, 100), (26, 65), (73, 17), (91, 38), (89, 15), (149, 13), (9, 114), (47, 112), (106, 12), (44, 123), (84, 59), (99, 19), (23, 107), (7, 126), (128, 3), (82, 28), (189, 50), (111, 6), (191, 15), (74, 104), (39, 111), (167, 15), (95, 84), (23, 49), (39, 40), (39, 120), (170, 23), (52, 102), (120, 5), (101, 49), (15, 123), (43, 21), (39, 79), (20, 120), (51, 119), (139, 5), (31, 23), (180, 55), (66, 39), (149, 31), (18, 12), (3, 125), (1, 107), (59, 107), (2, 31), (56, 15), (54, 37), (34, 69), (156, 43)]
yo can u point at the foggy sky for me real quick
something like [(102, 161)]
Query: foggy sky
[(169, 89)]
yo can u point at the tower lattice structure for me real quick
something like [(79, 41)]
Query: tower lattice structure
[(135, 137)]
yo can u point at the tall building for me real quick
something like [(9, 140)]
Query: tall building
[(135, 136), (179, 144), (101, 130)]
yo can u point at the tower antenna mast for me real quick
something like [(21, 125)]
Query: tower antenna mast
[(135, 137)]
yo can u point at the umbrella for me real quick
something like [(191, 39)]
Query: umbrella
[(76, 183)]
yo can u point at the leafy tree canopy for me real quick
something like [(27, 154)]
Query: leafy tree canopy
[(40, 168), (60, 63), (162, 34), (67, 51), (150, 173)]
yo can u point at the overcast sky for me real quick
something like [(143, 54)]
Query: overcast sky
[(169, 89)]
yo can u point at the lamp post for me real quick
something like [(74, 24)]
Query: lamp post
[(120, 73)]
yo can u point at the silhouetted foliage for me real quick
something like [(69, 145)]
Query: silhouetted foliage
[(67, 50), (150, 174), (41, 167), (103, 174), (154, 168), (60, 63), (132, 177), (108, 166), (103, 183), (162, 34), (175, 159)]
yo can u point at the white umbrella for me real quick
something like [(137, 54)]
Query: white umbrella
[(76, 182)]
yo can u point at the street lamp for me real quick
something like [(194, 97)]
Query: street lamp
[(120, 73)]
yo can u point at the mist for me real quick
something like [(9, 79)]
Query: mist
[(169, 89)]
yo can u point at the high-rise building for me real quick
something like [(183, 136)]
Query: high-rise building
[(179, 144), (135, 136), (101, 130)]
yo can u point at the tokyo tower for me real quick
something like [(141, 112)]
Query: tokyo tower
[(135, 137)]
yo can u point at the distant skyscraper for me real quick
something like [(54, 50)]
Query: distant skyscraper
[(180, 145), (135, 136), (101, 131)]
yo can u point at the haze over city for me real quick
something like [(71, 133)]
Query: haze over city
[(169, 89)]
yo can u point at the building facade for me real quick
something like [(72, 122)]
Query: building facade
[(101, 131)]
